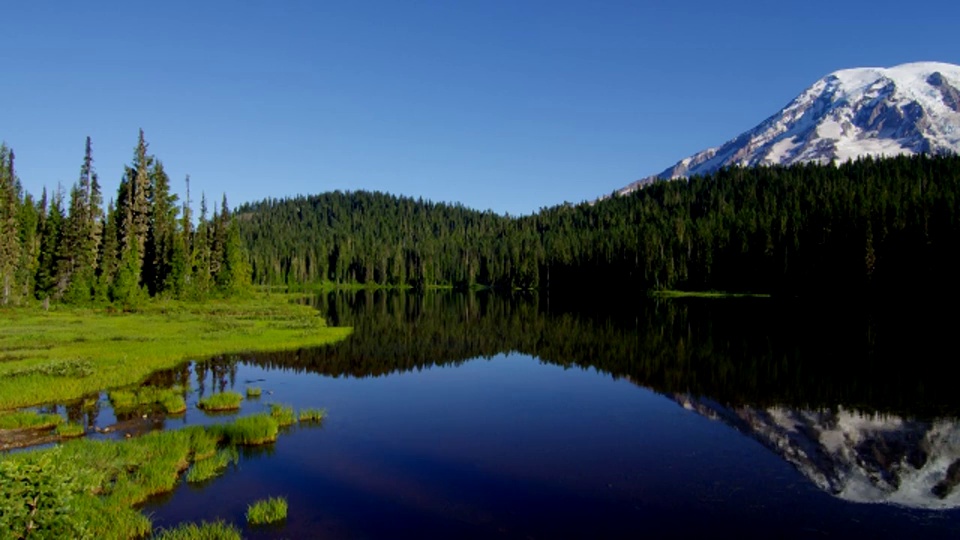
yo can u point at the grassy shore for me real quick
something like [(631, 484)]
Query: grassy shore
[(91, 488), (66, 353)]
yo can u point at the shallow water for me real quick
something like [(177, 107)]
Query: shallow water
[(477, 416)]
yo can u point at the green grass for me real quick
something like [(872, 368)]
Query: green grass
[(705, 294), (67, 353), (250, 430), (217, 530), (29, 420), (266, 511), (70, 430), (88, 488), (128, 400), (312, 415), (254, 391), (221, 401), (283, 414), (212, 467)]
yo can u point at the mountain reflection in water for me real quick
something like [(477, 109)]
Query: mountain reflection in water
[(853, 398)]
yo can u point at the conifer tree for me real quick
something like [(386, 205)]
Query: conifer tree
[(9, 235), (162, 230), (50, 235)]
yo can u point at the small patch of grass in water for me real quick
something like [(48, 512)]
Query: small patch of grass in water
[(70, 430), (283, 414), (250, 430), (29, 420), (217, 530), (312, 415), (254, 391), (221, 401), (270, 510)]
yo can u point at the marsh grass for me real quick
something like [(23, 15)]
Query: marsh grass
[(221, 401), (217, 530), (312, 415), (67, 353), (704, 294), (169, 399), (29, 420), (250, 430), (283, 414), (70, 430), (90, 488), (254, 391), (210, 468), (270, 510)]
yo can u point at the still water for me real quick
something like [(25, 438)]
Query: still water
[(480, 416)]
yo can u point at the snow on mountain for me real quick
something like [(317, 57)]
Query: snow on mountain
[(856, 457), (907, 109)]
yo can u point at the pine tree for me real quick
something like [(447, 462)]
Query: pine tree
[(50, 235), (107, 255), (9, 234), (162, 230)]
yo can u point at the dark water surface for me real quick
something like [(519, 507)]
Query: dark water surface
[(479, 416)]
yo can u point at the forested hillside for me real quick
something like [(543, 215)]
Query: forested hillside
[(67, 248), (868, 225)]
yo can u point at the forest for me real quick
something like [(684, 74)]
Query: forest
[(68, 248), (871, 226), (867, 226)]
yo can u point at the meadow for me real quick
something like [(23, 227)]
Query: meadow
[(65, 353)]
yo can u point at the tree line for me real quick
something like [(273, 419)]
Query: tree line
[(871, 225), (145, 244)]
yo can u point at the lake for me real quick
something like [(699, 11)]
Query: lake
[(478, 415)]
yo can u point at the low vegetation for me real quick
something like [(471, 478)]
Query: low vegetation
[(29, 420), (254, 392), (270, 510), (212, 467), (221, 401), (67, 353), (70, 430), (251, 430), (283, 414), (90, 488), (170, 400), (312, 415), (217, 530)]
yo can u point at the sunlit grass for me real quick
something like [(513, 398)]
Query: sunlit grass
[(270, 510), (29, 420), (70, 430), (91, 488), (312, 415), (221, 401), (254, 391), (210, 468), (250, 430), (169, 399), (283, 414), (67, 352), (205, 531)]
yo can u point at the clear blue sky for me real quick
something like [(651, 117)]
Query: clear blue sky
[(504, 105)]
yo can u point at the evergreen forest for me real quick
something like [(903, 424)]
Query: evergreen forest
[(144, 243), (867, 226)]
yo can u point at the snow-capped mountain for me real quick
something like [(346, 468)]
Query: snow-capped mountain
[(857, 457), (907, 109)]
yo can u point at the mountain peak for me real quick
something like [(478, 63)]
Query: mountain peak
[(906, 109)]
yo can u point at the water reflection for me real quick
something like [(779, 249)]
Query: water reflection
[(826, 390)]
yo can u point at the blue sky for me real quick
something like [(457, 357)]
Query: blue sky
[(503, 105)]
